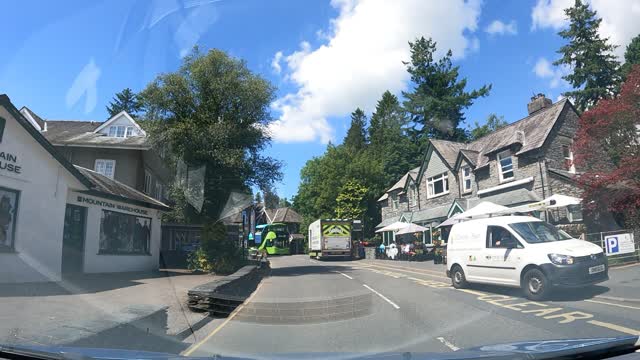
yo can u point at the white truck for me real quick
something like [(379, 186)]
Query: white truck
[(330, 238)]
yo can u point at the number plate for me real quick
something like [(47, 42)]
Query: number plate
[(596, 269)]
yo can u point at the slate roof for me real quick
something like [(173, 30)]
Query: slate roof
[(563, 173), (388, 221), (284, 215), (536, 127), (35, 116), (433, 213), (403, 181), (116, 190), (508, 198), (470, 155), (448, 149), (70, 132)]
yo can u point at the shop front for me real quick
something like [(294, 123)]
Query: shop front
[(56, 218)]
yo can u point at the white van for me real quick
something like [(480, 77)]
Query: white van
[(521, 251)]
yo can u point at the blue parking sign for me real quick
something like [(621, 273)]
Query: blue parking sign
[(612, 245)]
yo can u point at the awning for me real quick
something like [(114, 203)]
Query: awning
[(411, 228), (394, 227)]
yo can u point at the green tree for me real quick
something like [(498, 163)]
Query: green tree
[(356, 138), (631, 55), (126, 100), (258, 198), (284, 202), (494, 122), (350, 203), (271, 199), (213, 112), (595, 72), (438, 98)]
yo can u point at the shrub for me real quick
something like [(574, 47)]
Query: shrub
[(221, 253)]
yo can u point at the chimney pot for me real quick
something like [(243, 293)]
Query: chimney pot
[(538, 102)]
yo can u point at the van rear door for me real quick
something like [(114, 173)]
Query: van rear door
[(498, 261)]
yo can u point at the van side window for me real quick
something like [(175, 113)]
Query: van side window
[(499, 237)]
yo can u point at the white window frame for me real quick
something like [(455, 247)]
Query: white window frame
[(444, 177), (572, 168), (503, 155), (395, 202), (465, 178), (114, 131), (147, 182), (128, 131), (104, 163), (413, 194), (158, 191)]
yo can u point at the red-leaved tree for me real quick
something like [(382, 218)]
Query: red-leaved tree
[(607, 149)]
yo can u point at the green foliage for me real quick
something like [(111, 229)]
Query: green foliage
[(631, 55), (350, 202), (494, 122), (126, 100), (258, 198), (197, 261), (223, 256), (213, 111), (595, 72), (356, 135), (271, 199), (438, 98), (284, 203)]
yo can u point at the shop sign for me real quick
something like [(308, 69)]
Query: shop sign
[(9, 163), (110, 205)]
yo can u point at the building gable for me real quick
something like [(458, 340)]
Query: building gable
[(120, 119), (435, 165)]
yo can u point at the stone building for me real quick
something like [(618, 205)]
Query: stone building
[(525, 161)]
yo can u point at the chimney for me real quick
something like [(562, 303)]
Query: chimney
[(538, 102)]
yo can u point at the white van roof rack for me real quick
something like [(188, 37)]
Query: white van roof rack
[(536, 206)]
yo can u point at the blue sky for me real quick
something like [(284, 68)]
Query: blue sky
[(65, 60)]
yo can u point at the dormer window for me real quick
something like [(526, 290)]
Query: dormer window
[(505, 166), (120, 131)]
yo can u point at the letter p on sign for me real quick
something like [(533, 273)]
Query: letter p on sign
[(612, 245)]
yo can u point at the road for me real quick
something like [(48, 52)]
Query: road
[(381, 306)]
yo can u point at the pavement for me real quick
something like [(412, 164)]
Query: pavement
[(145, 311), (372, 306)]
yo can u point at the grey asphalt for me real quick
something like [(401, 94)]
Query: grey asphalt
[(311, 306)]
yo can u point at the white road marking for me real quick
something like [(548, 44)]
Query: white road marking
[(612, 304), (345, 275), (448, 344), (382, 296)]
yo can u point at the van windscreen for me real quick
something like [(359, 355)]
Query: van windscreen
[(538, 231)]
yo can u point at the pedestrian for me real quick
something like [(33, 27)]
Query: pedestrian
[(381, 250), (361, 250)]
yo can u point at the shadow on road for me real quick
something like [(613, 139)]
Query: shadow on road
[(145, 334), (83, 284), (557, 294), (307, 270)]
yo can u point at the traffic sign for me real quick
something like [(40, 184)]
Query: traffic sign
[(619, 244)]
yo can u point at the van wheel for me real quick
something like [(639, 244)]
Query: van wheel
[(535, 285), (458, 279)]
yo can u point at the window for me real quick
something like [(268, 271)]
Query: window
[(129, 131), (413, 195), (105, 167), (538, 232), (505, 163), (124, 234), (438, 185), (158, 192), (395, 202), (118, 131), (8, 213), (501, 238), (147, 182), (112, 131), (466, 179), (574, 213), (567, 153)]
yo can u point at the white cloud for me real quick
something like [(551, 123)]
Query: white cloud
[(85, 83), (362, 57), (275, 63), (497, 27), (545, 70), (619, 18)]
